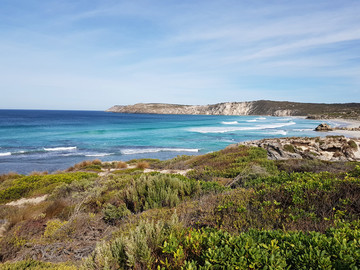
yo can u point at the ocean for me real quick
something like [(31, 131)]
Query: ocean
[(34, 140)]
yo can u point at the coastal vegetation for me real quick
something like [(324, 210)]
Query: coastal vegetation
[(231, 209)]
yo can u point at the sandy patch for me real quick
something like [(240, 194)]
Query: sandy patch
[(28, 201), (3, 225), (349, 123), (182, 172)]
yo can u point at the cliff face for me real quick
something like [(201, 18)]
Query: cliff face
[(260, 107), (229, 108)]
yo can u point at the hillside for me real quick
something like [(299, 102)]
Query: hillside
[(260, 107), (231, 209)]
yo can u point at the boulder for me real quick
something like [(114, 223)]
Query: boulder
[(323, 127)]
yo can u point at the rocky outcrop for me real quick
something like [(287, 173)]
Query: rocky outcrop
[(331, 148), (260, 107), (327, 127), (323, 127)]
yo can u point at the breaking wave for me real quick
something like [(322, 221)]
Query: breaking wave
[(232, 129), (230, 123), (60, 148), (276, 132), (99, 155), (155, 150)]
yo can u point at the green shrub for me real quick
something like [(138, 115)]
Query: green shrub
[(158, 190), (289, 148), (211, 187), (36, 265), (256, 249), (137, 250), (55, 229), (113, 213), (352, 144), (39, 184), (229, 163)]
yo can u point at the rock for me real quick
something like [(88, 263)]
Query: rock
[(323, 127), (331, 148)]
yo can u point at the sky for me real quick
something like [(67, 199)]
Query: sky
[(91, 55)]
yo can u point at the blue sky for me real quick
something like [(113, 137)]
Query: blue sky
[(88, 54)]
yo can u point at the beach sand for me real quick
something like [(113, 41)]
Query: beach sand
[(349, 123)]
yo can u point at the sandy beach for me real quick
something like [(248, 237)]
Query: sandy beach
[(348, 123)]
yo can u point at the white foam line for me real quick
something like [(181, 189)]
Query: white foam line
[(155, 150), (5, 154), (230, 123), (60, 148), (277, 132), (99, 155), (304, 129), (232, 129)]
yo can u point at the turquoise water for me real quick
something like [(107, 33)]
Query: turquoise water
[(55, 140)]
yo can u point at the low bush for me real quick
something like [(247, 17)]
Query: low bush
[(121, 165), (337, 249), (55, 229), (137, 250), (114, 213), (36, 265), (289, 148), (142, 165), (39, 184), (158, 190), (229, 163)]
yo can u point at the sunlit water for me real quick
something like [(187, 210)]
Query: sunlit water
[(55, 140)]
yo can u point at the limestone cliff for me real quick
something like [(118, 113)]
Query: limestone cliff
[(260, 107), (228, 108)]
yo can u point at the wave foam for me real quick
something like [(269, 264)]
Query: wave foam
[(155, 150), (60, 148), (230, 123), (277, 132), (99, 155), (284, 119), (303, 129), (261, 118), (232, 129), (251, 120), (5, 154)]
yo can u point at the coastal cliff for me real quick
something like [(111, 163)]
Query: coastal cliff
[(260, 107)]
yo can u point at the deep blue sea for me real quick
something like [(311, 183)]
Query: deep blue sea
[(55, 140)]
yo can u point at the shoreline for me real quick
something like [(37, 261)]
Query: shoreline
[(348, 123)]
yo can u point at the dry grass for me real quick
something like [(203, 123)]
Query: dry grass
[(142, 165), (96, 162), (9, 175), (15, 214), (83, 164), (121, 165)]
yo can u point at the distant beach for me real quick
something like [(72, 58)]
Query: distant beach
[(348, 123)]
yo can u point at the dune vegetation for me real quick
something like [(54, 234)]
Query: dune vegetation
[(231, 209)]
